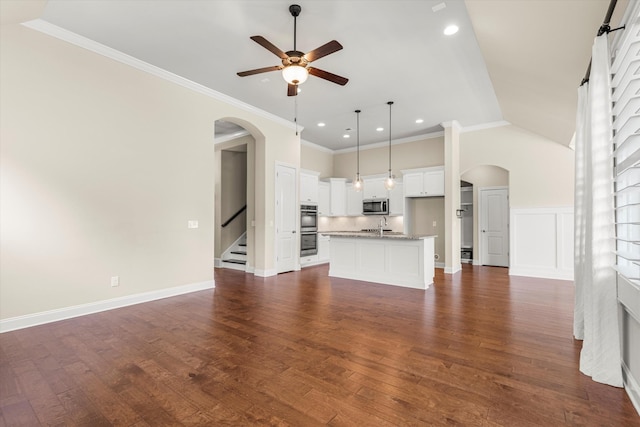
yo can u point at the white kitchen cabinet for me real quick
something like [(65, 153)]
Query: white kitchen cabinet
[(396, 199), (426, 182), (309, 186), (324, 199), (374, 188), (354, 201), (323, 248), (338, 196)]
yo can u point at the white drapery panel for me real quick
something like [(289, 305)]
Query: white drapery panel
[(596, 307)]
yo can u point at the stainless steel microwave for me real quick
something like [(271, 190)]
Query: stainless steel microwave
[(375, 207)]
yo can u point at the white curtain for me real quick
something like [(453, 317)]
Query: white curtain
[(596, 306)]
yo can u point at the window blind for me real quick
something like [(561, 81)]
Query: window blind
[(626, 130)]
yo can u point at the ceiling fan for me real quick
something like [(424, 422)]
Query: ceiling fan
[(295, 64)]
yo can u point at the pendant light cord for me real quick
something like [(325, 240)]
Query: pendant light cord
[(390, 103), (358, 144)]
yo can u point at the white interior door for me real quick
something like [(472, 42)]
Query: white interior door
[(494, 227), (286, 216)]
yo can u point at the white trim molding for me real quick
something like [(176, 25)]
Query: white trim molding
[(631, 386), (26, 321), (106, 51), (265, 273), (541, 242)]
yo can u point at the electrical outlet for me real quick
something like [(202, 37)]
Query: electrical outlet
[(192, 224), (434, 223), (115, 281)]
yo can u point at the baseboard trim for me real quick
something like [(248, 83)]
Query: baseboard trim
[(265, 273), (541, 273), (29, 320), (452, 270), (631, 386)]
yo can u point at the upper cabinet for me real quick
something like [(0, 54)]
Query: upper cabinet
[(324, 199), (354, 201), (374, 188), (338, 196), (309, 186), (425, 182), (396, 199)]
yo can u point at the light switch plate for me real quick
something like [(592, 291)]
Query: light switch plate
[(192, 224)]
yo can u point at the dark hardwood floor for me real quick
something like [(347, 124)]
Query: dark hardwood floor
[(301, 349)]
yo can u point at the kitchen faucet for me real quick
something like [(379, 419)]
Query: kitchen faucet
[(383, 223)]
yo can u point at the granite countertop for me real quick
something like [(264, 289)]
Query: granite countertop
[(376, 235)]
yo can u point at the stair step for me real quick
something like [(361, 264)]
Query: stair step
[(239, 252), (235, 261), (242, 244)]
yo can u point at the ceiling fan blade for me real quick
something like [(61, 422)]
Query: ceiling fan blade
[(324, 50), (334, 78), (260, 70), (292, 90), (269, 46)]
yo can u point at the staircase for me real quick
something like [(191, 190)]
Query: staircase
[(235, 257)]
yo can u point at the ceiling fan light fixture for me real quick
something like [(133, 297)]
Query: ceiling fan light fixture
[(295, 74)]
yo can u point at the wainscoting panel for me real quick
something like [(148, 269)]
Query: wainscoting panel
[(542, 243)]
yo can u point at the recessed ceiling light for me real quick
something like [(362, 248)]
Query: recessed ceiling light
[(438, 7), (346, 135), (321, 124), (419, 121), (450, 30), (379, 129)]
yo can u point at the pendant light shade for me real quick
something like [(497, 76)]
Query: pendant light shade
[(358, 185), (389, 182)]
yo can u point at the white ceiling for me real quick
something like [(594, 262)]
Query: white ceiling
[(514, 60)]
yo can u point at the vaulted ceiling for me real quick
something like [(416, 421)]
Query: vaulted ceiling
[(519, 61)]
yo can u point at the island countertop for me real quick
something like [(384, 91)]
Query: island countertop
[(392, 259), (377, 235)]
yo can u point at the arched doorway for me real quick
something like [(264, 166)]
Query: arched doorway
[(235, 143)]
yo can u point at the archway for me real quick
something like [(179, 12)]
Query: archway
[(239, 149)]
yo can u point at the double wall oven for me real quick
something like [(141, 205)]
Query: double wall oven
[(308, 230)]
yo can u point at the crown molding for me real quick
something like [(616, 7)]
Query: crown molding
[(393, 142), (316, 146), (93, 46), (483, 126)]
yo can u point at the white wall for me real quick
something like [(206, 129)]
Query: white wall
[(541, 183), (102, 165), (540, 170)]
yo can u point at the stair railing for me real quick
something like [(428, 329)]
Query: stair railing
[(234, 216)]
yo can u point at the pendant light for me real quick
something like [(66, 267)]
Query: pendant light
[(389, 182), (357, 183)]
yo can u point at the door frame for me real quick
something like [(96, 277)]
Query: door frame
[(481, 259)]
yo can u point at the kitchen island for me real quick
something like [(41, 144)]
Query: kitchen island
[(391, 258)]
